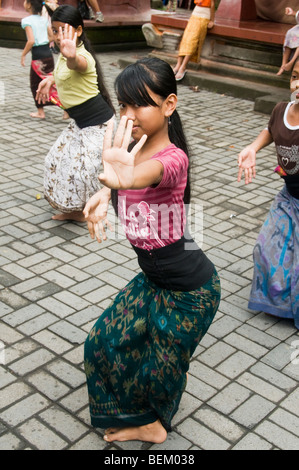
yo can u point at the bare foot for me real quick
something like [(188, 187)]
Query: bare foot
[(38, 115), (76, 215), (65, 115), (153, 432)]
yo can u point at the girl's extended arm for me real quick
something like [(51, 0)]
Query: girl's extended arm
[(29, 44), (120, 171), (247, 157)]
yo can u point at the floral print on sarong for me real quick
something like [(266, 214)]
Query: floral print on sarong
[(275, 285), (72, 167), (138, 352)]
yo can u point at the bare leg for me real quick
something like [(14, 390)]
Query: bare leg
[(153, 432), (285, 58), (178, 64), (180, 73), (94, 5), (171, 5), (76, 215), (291, 62)]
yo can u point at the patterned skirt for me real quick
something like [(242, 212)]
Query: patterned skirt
[(39, 70), (138, 352), (72, 167), (194, 37), (292, 38), (275, 286)]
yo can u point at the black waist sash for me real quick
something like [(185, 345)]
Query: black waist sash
[(41, 52), (92, 112), (180, 266), (292, 184)]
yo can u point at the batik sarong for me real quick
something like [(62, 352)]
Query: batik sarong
[(39, 70), (72, 167), (275, 286), (194, 35), (138, 352)]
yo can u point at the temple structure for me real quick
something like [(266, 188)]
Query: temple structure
[(241, 53), (121, 28), (238, 35)]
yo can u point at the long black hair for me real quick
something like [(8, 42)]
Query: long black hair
[(71, 15), (36, 6), (156, 75)]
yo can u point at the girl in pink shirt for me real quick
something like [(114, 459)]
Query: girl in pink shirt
[(138, 352)]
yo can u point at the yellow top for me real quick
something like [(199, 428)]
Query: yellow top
[(76, 87)]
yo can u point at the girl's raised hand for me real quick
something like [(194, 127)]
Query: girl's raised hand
[(246, 161), (68, 41), (118, 163)]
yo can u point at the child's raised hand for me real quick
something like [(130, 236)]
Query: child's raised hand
[(118, 163), (68, 41), (246, 162)]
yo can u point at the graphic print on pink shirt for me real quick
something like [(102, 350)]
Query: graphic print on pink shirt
[(155, 216)]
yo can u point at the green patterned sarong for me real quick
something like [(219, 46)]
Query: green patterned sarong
[(138, 352)]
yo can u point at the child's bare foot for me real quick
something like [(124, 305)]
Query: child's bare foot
[(78, 216), (39, 114), (153, 432), (65, 115)]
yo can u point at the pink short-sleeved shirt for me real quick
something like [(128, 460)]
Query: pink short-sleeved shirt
[(155, 216)]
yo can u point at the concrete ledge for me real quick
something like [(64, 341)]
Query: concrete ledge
[(116, 33), (253, 30)]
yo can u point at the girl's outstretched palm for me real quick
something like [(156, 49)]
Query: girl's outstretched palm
[(247, 159), (67, 41), (118, 163)]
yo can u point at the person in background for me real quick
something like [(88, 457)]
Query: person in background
[(95, 11), (53, 4), (171, 5), (275, 285), (73, 163), (201, 20), (42, 63), (291, 44)]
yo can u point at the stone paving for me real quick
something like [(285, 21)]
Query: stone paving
[(242, 391)]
